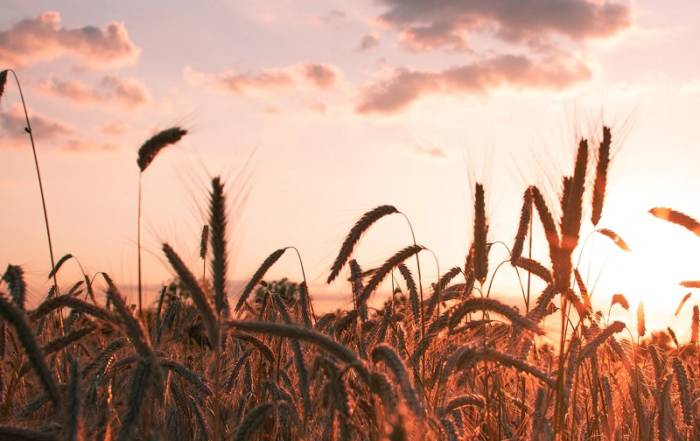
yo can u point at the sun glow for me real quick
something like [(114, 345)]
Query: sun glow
[(660, 257)]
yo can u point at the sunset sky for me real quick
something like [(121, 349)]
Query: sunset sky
[(316, 111)]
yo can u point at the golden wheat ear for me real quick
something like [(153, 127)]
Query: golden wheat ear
[(681, 303), (678, 218), (617, 240), (641, 320), (601, 176), (523, 225), (620, 299)]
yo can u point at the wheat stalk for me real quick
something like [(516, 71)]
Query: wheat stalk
[(386, 267), (678, 218), (30, 133), (523, 225), (74, 420), (601, 176), (68, 300), (533, 267), (550, 228), (641, 320), (146, 154), (153, 145), (15, 316), (491, 305), (137, 390), (219, 261), (412, 292), (590, 347), (617, 240), (481, 228), (695, 325), (388, 355), (305, 334), (252, 421), (354, 235), (620, 299), (686, 400), (198, 296), (258, 276)]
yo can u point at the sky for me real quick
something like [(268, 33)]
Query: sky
[(314, 112)]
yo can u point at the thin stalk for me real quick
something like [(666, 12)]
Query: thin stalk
[(29, 131), (303, 276), (420, 292), (529, 256), (138, 241)]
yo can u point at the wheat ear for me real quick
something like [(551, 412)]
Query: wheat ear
[(258, 276), (601, 176), (219, 261), (354, 235), (15, 316), (198, 296)]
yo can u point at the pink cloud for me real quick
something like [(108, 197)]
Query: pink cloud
[(114, 128), (425, 38), (321, 76), (77, 145), (42, 38), (368, 42), (446, 23), (12, 124), (47, 131), (128, 93), (236, 82), (406, 86), (432, 151)]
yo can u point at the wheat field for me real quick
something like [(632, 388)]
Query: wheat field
[(435, 360)]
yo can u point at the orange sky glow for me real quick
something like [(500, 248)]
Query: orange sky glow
[(314, 112)]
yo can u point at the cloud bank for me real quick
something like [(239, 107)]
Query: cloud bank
[(426, 25), (47, 131), (405, 86), (12, 123), (127, 93), (43, 38)]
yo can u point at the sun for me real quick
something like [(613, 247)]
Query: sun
[(660, 257)]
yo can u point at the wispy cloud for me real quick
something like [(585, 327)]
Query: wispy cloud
[(431, 151), (12, 123), (78, 145), (319, 75), (128, 93), (368, 42), (323, 76), (42, 38), (334, 15), (48, 131), (114, 128), (405, 86)]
